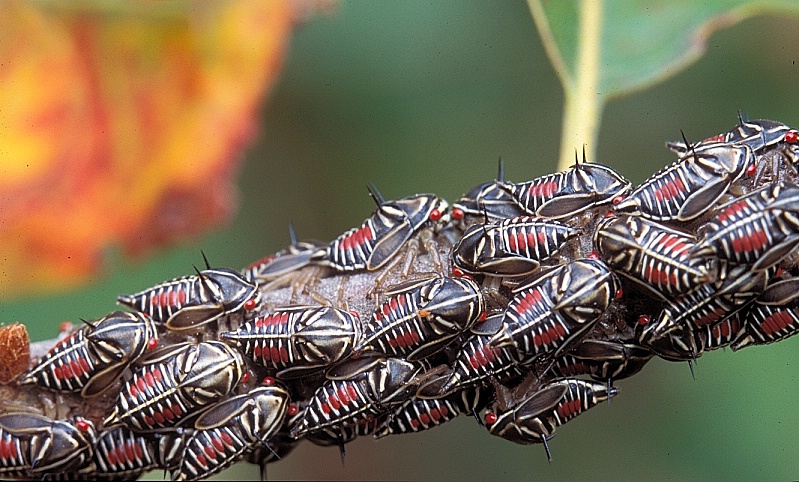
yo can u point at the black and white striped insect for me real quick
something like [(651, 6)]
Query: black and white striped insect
[(566, 194), (421, 317), (295, 339), (773, 316), (419, 414), (92, 358), (32, 445), (757, 134), (686, 189), (294, 257), (371, 245), (759, 229), (477, 363), (356, 390), (661, 260), (121, 453), (192, 301), (176, 383), (512, 247), (602, 360), (535, 416), (485, 201), (550, 312), (226, 430)]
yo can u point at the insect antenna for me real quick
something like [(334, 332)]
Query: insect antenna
[(500, 169), (544, 440), (292, 233)]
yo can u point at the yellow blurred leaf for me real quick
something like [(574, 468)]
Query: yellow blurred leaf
[(124, 124)]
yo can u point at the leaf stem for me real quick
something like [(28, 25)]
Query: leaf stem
[(582, 100)]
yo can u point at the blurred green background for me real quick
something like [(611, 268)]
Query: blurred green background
[(421, 96)]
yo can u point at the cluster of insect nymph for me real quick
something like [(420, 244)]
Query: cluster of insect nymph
[(520, 305)]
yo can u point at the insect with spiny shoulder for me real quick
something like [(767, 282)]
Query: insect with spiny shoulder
[(371, 245), (421, 317), (757, 134), (176, 383), (296, 339), (32, 445), (566, 194), (663, 261), (226, 430), (684, 190), (359, 389), (759, 229), (92, 358), (534, 416), (774, 315), (512, 247), (487, 201), (189, 302), (294, 257), (555, 308)]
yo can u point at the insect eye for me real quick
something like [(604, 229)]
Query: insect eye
[(457, 213), (435, 215), (82, 425), (491, 418), (792, 137), (643, 320), (250, 304)]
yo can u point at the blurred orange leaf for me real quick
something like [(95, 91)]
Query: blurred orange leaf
[(124, 126)]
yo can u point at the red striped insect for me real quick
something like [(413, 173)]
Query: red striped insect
[(552, 310), (661, 260), (176, 383), (477, 363), (534, 417), (371, 245), (485, 201), (757, 134), (123, 454), (421, 317), (565, 194), (191, 301), (361, 389), (92, 358), (603, 360), (759, 229), (773, 317), (686, 189), (32, 445), (724, 333), (296, 339), (290, 259), (226, 430), (511, 247), (419, 414)]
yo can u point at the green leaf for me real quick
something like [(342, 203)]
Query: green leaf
[(601, 49)]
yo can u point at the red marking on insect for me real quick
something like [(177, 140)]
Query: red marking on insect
[(355, 314), (425, 418), (546, 189), (644, 320), (210, 452), (250, 304), (218, 445), (711, 317), (201, 460), (149, 420), (152, 343), (776, 322), (141, 385), (159, 417), (751, 169), (82, 425), (435, 215), (245, 377), (675, 244), (457, 213), (569, 409), (292, 410), (593, 255), (792, 137), (749, 242), (333, 401), (169, 414), (619, 294), (176, 410), (670, 189), (490, 418), (731, 210)]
